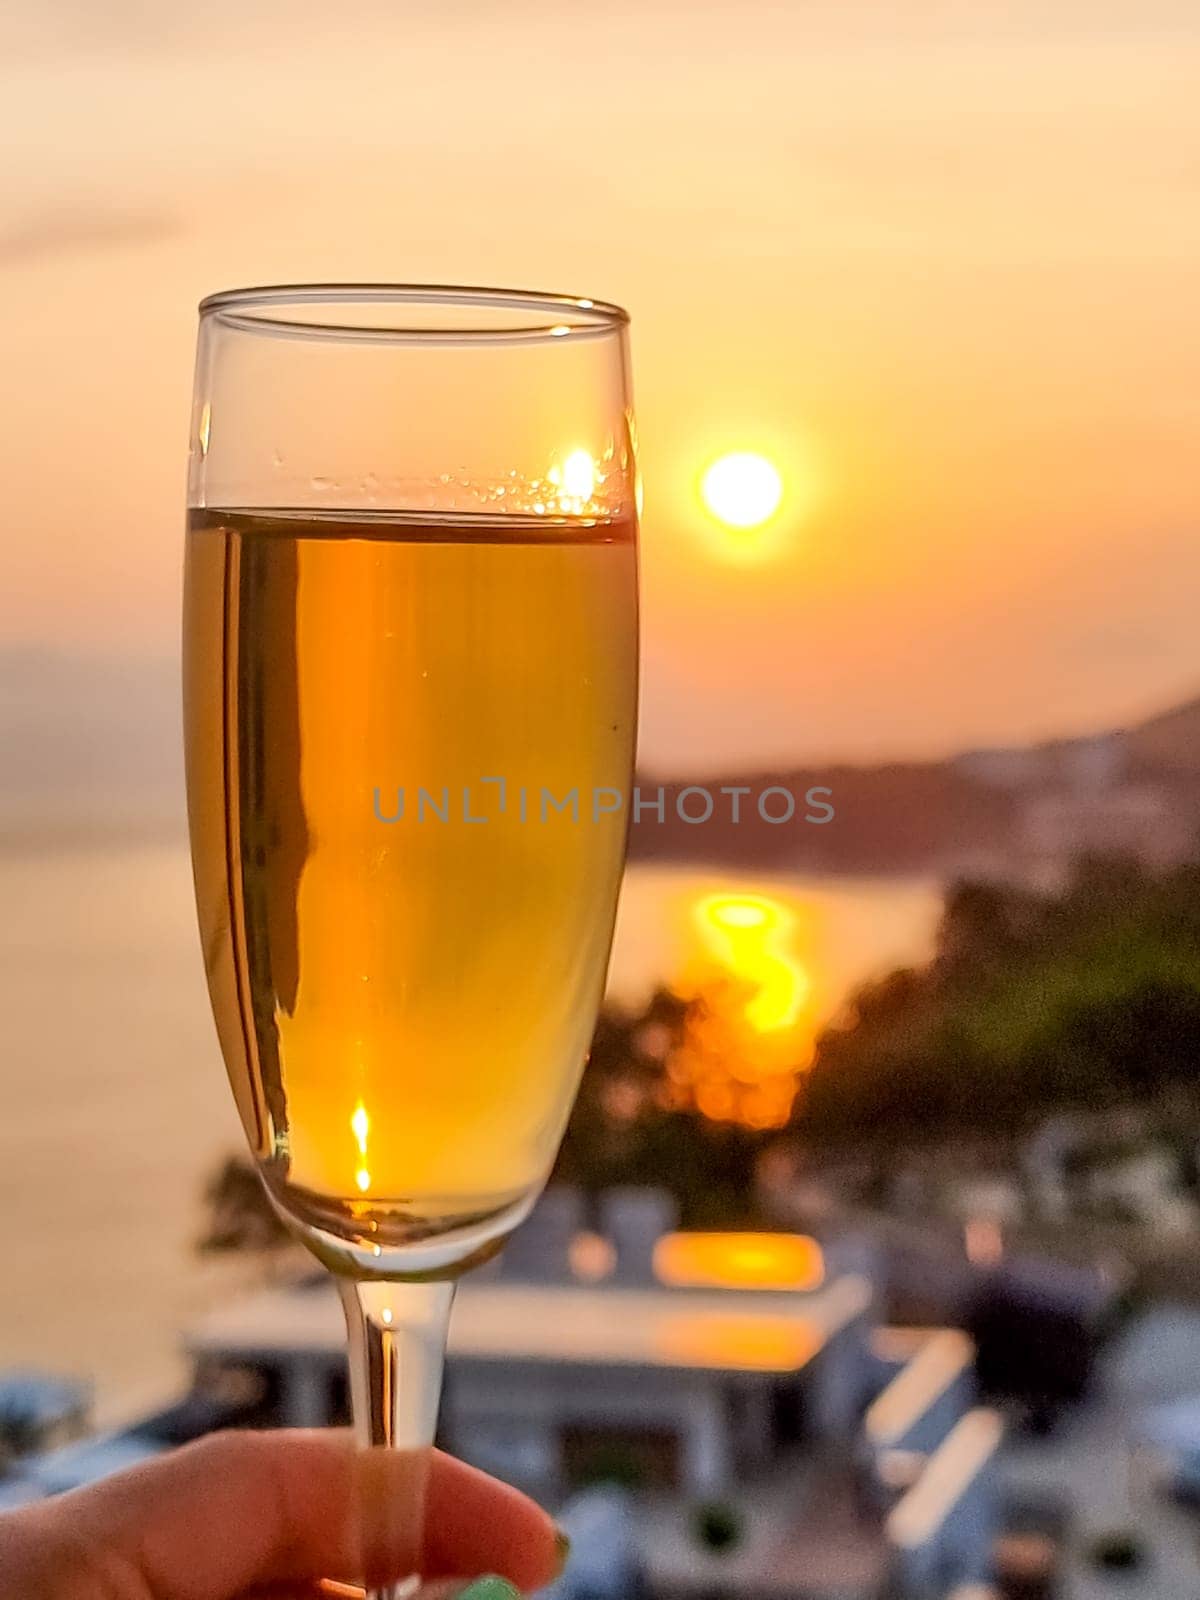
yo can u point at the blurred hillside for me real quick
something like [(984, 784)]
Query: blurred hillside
[(92, 749), (1170, 741), (1025, 811)]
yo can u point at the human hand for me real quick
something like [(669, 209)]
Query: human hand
[(241, 1515)]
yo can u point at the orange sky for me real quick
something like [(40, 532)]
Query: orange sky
[(939, 259)]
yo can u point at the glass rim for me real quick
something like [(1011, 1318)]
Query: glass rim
[(532, 315)]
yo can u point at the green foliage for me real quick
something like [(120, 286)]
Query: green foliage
[(1119, 1550), (1031, 1003), (718, 1526), (620, 1132)]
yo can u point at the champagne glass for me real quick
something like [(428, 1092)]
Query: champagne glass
[(410, 673)]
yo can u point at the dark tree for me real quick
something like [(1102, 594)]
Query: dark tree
[(1032, 1003)]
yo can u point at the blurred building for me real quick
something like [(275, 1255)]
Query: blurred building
[(716, 1414), (1145, 821), (1086, 797)]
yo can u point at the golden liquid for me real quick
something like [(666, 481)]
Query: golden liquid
[(404, 1005)]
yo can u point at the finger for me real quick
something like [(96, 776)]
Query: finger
[(243, 1510), (489, 1587), (476, 1524)]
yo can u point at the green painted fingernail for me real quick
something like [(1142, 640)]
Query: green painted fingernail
[(562, 1549), (490, 1588)]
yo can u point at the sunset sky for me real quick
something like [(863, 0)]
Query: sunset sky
[(938, 261)]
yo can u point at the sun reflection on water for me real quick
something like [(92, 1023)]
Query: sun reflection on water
[(748, 1040), (751, 936)]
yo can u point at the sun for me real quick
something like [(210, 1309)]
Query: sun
[(742, 490)]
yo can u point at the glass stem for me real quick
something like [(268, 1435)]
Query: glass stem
[(397, 1343)]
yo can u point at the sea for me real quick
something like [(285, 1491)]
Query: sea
[(114, 1110)]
